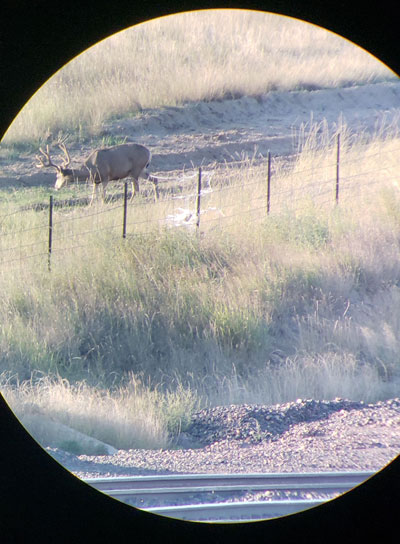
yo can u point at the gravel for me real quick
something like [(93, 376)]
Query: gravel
[(300, 436)]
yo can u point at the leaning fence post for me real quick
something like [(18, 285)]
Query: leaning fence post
[(50, 232), (198, 199), (337, 169), (125, 209), (269, 183)]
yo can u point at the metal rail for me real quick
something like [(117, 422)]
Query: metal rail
[(230, 512), (165, 489)]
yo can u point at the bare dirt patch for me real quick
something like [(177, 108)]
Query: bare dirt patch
[(227, 130)]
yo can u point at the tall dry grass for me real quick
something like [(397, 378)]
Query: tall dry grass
[(301, 303), (129, 416), (186, 57), (123, 339)]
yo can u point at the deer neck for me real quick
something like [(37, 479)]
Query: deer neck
[(78, 174)]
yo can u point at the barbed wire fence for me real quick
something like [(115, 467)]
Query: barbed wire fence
[(198, 199)]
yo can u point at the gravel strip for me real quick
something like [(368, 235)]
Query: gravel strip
[(300, 436)]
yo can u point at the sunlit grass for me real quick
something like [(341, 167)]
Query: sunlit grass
[(303, 302), (130, 416), (186, 58), (122, 339)]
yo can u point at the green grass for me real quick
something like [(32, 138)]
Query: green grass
[(169, 303)]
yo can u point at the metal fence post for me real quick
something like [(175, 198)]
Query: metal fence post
[(50, 233), (337, 169), (198, 199), (125, 209), (269, 183)]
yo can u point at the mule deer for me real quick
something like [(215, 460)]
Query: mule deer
[(103, 165)]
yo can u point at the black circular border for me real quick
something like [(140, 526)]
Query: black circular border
[(37, 37)]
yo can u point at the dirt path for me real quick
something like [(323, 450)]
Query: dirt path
[(226, 130), (205, 133)]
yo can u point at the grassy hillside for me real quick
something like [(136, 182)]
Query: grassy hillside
[(123, 339), (183, 58), (254, 308)]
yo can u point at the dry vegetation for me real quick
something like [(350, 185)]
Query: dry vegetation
[(301, 303), (124, 338), (186, 57)]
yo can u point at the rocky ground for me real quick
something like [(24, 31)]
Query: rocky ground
[(300, 436)]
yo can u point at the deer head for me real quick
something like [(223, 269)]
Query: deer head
[(64, 174)]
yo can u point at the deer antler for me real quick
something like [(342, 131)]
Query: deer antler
[(61, 145), (46, 155)]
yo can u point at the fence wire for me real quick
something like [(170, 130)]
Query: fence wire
[(235, 189)]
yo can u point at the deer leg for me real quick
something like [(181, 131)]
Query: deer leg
[(156, 193), (154, 181), (135, 188), (94, 191), (104, 186)]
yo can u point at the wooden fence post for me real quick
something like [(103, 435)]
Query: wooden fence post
[(50, 233), (269, 183), (198, 199), (337, 169), (125, 209)]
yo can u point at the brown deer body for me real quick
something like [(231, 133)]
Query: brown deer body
[(104, 165)]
